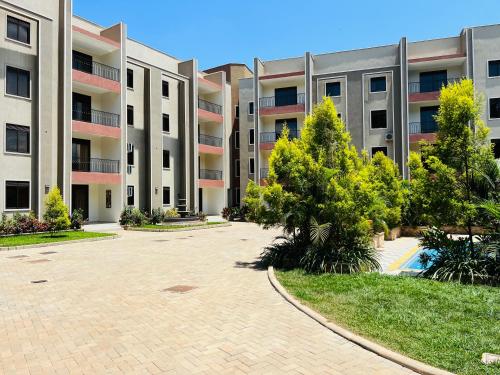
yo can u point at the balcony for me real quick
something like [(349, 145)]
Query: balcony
[(422, 131), (208, 144), (428, 90), (96, 171), (277, 105), (97, 123), (209, 112), (209, 178), (96, 76), (268, 139)]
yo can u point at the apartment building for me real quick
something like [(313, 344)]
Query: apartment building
[(387, 96), (109, 120)]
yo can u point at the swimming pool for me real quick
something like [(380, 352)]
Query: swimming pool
[(414, 262)]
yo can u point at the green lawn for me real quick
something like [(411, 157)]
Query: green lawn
[(34, 239), (446, 325), (179, 226)]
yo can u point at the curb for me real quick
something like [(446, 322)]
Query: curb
[(383, 352), (60, 243), (131, 229)]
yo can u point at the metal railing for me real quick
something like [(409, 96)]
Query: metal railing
[(97, 117), (423, 127), (96, 165), (97, 69), (282, 100), (209, 174), (272, 137), (210, 107), (430, 86), (209, 140), (264, 172)]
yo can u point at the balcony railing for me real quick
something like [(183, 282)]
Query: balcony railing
[(283, 100), (210, 107), (97, 117), (423, 127), (264, 172), (209, 174), (96, 165), (430, 86), (272, 137), (209, 140), (97, 69)]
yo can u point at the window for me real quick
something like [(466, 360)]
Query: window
[(495, 108), (379, 119), (379, 149), (237, 139), (18, 30), (251, 165), (166, 159), (378, 84), (130, 195), (130, 115), (17, 139), (285, 96), (18, 82), (130, 154), (332, 89), (251, 136), (237, 197), (164, 89), (166, 123), (494, 68), (237, 111), (17, 195), (433, 81), (237, 168), (291, 124), (496, 148), (130, 78), (250, 108), (166, 195)]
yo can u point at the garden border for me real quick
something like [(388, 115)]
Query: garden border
[(199, 227), (59, 243), (383, 352)]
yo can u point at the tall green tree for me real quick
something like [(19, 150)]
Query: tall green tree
[(56, 212)]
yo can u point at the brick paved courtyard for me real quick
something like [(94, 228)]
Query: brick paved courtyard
[(105, 309)]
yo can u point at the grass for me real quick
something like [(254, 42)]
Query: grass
[(179, 226), (446, 325), (35, 239)]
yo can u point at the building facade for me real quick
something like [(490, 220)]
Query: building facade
[(108, 120), (387, 96)]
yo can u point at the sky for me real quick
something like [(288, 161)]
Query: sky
[(222, 31)]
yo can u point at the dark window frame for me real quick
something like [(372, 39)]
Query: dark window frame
[(375, 112), (165, 89), (18, 129), (25, 186), (250, 165), (237, 111), (251, 108), (491, 106), (17, 71), (495, 66), (237, 167), (130, 115), (236, 139), (18, 23), (130, 197), (495, 142), (376, 149), (167, 201), (165, 117), (166, 158), (376, 84), (130, 155), (337, 84), (130, 78), (251, 135)]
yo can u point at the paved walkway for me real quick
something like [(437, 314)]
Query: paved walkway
[(105, 310)]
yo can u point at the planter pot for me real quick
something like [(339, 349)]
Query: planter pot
[(378, 240), (393, 234)]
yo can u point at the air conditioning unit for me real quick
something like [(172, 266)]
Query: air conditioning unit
[(389, 137)]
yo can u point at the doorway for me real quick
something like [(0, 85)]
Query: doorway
[(200, 200), (80, 199)]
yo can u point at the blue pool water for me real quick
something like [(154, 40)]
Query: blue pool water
[(414, 262)]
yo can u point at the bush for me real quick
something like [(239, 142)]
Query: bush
[(19, 224), (157, 216), (56, 212), (132, 217), (232, 213), (172, 213), (202, 216), (77, 219), (226, 213)]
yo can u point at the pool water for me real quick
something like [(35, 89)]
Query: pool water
[(414, 262)]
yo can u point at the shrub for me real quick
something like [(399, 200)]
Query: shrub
[(157, 216), (133, 217), (19, 224), (226, 213), (56, 212), (202, 216), (172, 213), (232, 213), (77, 219)]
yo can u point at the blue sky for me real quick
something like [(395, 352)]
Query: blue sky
[(222, 31)]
